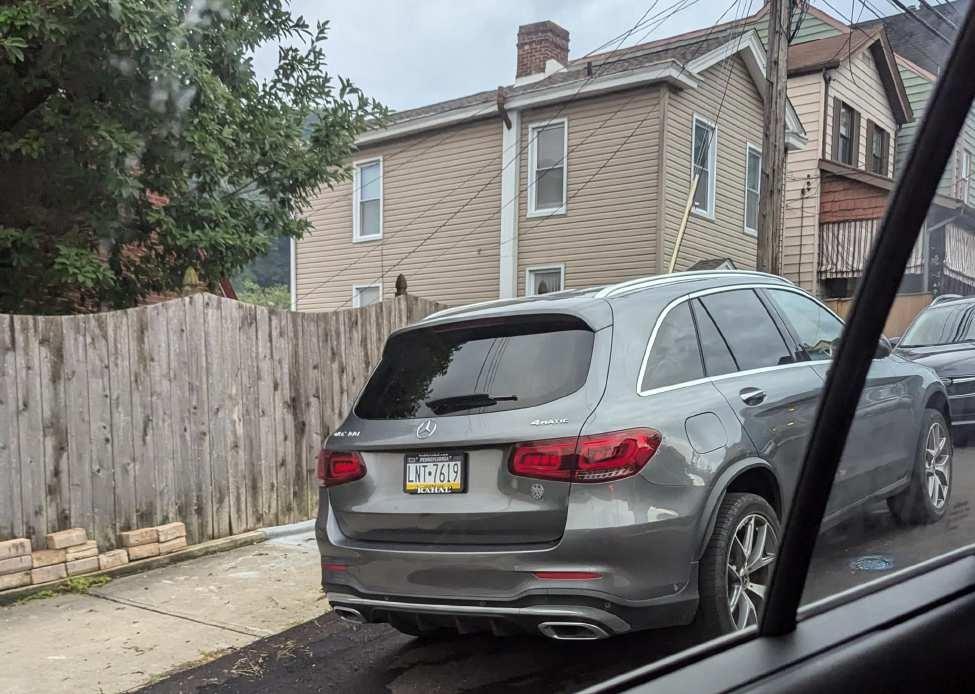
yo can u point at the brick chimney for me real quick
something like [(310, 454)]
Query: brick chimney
[(537, 44)]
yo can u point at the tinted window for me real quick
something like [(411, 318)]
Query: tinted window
[(940, 326), (818, 329), (748, 329), (674, 357), (458, 369), (717, 356)]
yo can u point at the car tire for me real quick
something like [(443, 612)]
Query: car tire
[(726, 575), (925, 500)]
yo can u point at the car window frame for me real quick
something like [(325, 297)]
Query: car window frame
[(787, 323)]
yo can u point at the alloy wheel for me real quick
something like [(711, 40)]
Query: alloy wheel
[(750, 559), (937, 464)]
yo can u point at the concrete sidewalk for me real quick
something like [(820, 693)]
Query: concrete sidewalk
[(133, 630)]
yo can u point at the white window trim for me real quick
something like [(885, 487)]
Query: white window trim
[(749, 148), (530, 286), (712, 168), (532, 158), (968, 172), (357, 237), (357, 287)]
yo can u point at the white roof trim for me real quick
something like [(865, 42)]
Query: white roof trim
[(753, 53), (669, 71)]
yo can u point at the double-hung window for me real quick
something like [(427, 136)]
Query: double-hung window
[(878, 156), (704, 166), (753, 187), (547, 156), (965, 183), (846, 127), (367, 200)]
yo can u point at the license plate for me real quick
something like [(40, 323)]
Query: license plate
[(435, 473)]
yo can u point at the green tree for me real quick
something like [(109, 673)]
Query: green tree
[(136, 142), (272, 296)]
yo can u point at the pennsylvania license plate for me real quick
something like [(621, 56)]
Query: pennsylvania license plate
[(435, 473)]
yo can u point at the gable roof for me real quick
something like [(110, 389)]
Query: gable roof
[(675, 60), (910, 39), (830, 53)]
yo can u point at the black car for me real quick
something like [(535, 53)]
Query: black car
[(942, 337)]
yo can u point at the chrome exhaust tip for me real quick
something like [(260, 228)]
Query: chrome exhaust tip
[(572, 631), (349, 614)]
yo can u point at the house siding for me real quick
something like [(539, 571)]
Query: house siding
[(608, 231), (800, 236), (811, 29), (739, 122), (426, 180)]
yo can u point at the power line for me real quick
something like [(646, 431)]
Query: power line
[(938, 14), (659, 19), (923, 22), (596, 172)]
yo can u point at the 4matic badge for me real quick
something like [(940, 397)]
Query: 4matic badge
[(546, 422)]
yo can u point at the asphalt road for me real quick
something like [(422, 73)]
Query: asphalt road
[(327, 655)]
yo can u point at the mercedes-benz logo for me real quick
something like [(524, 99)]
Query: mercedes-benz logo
[(426, 430)]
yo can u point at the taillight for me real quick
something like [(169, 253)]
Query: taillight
[(591, 458), (339, 467)]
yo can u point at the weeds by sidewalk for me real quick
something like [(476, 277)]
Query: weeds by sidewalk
[(75, 584)]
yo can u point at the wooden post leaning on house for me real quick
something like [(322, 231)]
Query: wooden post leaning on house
[(773, 139)]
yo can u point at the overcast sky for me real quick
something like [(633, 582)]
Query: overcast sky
[(410, 53)]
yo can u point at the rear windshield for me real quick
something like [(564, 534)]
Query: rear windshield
[(469, 368)]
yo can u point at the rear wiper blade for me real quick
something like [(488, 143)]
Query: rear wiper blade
[(469, 401)]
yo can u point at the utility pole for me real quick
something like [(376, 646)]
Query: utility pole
[(773, 142)]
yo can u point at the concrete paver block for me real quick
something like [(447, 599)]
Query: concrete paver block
[(171, 531), (15, 580), (82, 566), (46, 557), (14, 548), (53, 572), (144, 551), (67, 538), (142, 536), (89, 549), (109, 560), (15, 565), (172, 545)]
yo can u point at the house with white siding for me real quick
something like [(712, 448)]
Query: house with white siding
[(579, 173)]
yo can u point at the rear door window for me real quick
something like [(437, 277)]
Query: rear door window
[(475, 367), (717, 355), (674, 356), (748, 329)]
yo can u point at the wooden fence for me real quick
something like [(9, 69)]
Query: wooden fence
[(202, 409), (905, 308)]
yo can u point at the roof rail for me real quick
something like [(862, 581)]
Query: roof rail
[(946, 297), (655, 280), (565, 293)]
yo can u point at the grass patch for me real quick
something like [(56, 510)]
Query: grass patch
[(78, 585)]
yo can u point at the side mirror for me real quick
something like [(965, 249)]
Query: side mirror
[(884, 348)]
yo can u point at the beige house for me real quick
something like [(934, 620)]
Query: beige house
[(578, 174)]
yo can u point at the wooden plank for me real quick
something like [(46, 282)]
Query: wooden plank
[(315, 432), (328, 343), (54, 423), (196, 360), (217, 402), (298, 372), (233, 416), (80, 503), (100, 404), (268, 511), (251, 413), (123, 452), (29, 426), (161, 429), (184, 461), (11, 508), (144, 444), (283, 415)]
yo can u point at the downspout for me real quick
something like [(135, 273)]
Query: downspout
[(508, 250), (827, 78)]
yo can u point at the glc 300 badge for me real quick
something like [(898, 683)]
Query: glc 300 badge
[(426, 429), (546, 422)]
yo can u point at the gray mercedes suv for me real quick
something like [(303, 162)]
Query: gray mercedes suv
[(587, 463)]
